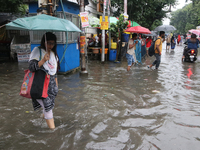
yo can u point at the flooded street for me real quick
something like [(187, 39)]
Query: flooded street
[(111, 109)]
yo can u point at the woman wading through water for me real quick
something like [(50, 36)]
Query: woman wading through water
[(49, 62)]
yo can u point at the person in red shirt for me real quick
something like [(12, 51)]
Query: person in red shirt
[(148, 44)]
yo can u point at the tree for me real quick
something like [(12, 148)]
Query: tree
[(116, 32), (12, 6), (186, 18), (146, 13)]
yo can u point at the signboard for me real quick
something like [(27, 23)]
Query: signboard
[(104, 25), (82, 44), (84, 19), (23, 57), (101, 18)]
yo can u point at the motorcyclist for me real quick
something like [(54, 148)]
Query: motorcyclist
[(193, 43)]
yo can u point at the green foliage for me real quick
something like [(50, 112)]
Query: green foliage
[(186, 18), (146, 13), (155, 24), (118, 27), (121, 24), (13, 6), (114, 30)]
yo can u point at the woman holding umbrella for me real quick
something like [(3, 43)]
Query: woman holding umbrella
[(48, 62)]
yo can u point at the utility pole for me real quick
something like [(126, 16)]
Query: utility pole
[(82, 43), (125, 7), (108, 8), (103, 34)]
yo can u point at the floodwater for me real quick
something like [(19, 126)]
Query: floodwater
[(111, 109)]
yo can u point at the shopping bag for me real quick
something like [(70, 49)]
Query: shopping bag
[(35, 84)]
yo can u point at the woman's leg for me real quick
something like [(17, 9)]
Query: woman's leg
[(48, 116)]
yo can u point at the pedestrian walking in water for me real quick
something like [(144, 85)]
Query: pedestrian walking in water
[(168, 41), (182, 38), (178, 39), (148, 44), (158, 49), (173, 43), (131, 51), (49, 62)]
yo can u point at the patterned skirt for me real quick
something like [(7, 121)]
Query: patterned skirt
[(49, 101)]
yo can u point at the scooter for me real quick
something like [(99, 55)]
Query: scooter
[(190, 54)]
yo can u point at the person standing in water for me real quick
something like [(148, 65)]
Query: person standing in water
[(173, 43), (158, 50), (168, 41), (49, 62), (131, 51), (148, 44)]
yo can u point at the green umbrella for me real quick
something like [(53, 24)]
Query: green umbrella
[(113, 20), (133, 24), (42, 23)]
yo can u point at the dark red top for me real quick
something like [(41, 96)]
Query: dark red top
[(148, 44)]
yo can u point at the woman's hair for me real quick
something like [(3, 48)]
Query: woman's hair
[(134, 35), (193, 36), (50, 37)]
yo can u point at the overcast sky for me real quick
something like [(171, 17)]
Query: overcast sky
[(181, 4)]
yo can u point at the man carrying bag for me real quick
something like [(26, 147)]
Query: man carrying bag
[(158, 50)]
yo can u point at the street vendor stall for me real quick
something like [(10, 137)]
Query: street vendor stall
[(36, 23)]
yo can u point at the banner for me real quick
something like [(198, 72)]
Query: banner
[(101, 18), (104, 25), (84, 19), (82, 44)]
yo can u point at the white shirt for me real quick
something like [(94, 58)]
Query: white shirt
[(132, 50), (97, 39), (50, 65)]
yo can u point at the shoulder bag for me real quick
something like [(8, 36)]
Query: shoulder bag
[(35, 84)]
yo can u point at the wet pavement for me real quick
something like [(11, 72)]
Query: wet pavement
[(111, 109)]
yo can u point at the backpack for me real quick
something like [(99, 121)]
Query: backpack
[(151, 48)]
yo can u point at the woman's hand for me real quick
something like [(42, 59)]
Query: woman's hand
[(46, 57), (41, 62)]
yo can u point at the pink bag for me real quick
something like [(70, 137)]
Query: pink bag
[(35, 84), (27, 83)]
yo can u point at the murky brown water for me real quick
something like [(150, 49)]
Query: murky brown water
[(111, 109)]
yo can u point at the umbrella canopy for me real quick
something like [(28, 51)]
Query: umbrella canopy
[(138, 29), (153, 33), (132, 24), (165, 28), (113, 20), (42, 23), (194, 31)]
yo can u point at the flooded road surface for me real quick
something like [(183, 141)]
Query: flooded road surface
[(111, 109)]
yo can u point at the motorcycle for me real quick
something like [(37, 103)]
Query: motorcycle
[(190, 54)]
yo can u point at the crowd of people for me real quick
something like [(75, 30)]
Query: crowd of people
[(96, 41), (146, 41), (171, 42)]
